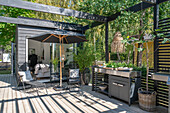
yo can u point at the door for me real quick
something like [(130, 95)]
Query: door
[(113, 88), (123, 91)]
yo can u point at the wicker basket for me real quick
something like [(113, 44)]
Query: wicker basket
[(147, 100)]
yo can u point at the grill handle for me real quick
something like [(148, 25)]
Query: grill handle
[(114, 83), (120, 85)]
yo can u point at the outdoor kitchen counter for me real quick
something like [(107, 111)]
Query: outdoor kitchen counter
[(119, 84), (128, 74)]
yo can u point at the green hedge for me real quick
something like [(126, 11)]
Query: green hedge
[(5, 71)]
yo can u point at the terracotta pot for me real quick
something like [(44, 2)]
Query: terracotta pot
[(147, 100)]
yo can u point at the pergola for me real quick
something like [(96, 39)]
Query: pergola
[(78, 14), (98, 20)]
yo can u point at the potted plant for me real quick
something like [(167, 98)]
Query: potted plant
[(147, 98), (85, 58)]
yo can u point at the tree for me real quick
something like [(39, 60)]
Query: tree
[(7, 30)]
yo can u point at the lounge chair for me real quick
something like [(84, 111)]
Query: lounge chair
[(26, 77)]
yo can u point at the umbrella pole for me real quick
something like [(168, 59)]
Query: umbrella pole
[(60, 66)]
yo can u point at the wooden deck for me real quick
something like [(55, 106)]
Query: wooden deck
[(14, 101)]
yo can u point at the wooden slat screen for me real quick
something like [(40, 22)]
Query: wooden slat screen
[(164, 49)]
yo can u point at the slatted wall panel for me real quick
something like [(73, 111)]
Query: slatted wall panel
[(164, 49), (162, 93), (163, 65), (163, 62), (150, 83), (160, 87)]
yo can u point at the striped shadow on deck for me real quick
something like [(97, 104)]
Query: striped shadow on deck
[(14, 101)]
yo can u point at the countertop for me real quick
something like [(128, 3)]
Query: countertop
[(161, 77), (128, 74)]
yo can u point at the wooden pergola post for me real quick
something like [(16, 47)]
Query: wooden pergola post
[(106, 43), (50, 60), (156, 20)]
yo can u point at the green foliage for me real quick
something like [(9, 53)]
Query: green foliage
[(5, 71), (123, 56), (128, 23), (7, 30), (141, 69), (119, 64), (85, 58), (165, 40), (55, 63), (130, 65), (164, 10)]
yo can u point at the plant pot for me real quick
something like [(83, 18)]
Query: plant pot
[(147, 100)]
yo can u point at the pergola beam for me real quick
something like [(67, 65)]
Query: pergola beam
[(134, 8), (42, 23), (142, 6), (114, 16), (139, 7), (51, 9), (94, 24)]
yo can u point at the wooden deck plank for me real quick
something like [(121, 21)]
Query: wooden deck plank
[(58, 101), (54, 104), (80, 105), (58, 108), (39, 102), (44, 109), (2, 90), (64, 103), (9, 103), (34, 102), (113, 107), (20, 103), (25, 102), (71, 106), (6, 93), (13, 88), (31, 102), (83, 104), (91, 103), (49, 103), (119, 107)]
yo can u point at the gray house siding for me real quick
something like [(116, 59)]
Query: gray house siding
[(22, 33)]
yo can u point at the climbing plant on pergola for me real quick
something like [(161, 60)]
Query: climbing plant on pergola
[(98, 19)]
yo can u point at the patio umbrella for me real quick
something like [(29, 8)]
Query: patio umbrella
[(60, 36)]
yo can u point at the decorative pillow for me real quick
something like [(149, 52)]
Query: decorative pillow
[(28, 75), (74, 73)]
